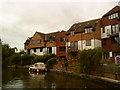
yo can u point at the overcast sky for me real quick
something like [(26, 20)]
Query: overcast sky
[(20, 19)]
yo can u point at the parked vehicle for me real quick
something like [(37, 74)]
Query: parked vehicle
[(37, 67)]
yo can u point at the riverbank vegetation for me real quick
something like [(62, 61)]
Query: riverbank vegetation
[(91, 60), (12, 59)]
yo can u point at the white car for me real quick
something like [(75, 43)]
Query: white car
[(38, 67)]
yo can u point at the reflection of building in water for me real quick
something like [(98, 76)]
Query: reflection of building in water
[(37, 80), (53, 85)]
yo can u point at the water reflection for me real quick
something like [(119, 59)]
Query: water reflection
[(20, 78)]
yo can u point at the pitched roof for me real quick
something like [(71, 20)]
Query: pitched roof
[(113, 10), (41, 34), (79, 27), (28, 40), (48, 35), (53, 34)]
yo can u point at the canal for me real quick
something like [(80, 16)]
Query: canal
[(21, 78)]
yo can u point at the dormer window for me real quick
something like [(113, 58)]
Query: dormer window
[(112, 16), (63, 39), (33, 42), (72, 33), (52, 38), (38, 41), (88, 30)]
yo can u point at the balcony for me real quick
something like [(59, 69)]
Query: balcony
[(113, 34)]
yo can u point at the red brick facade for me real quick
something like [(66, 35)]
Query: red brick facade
[(61, 45), (110, 19)]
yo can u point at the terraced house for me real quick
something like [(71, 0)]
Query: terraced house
[(41, 43), (83, 35), (110, 29), (103, 32)]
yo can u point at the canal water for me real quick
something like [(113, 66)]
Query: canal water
[(22, 78)]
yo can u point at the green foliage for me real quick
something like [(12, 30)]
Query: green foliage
[(44, 58), (15, 59), (26, 59), (90, 60), (7, 52), (51, 62), (9, 57)]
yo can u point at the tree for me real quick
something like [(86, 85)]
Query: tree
[(90, 60), (6, 53), (15, 59)]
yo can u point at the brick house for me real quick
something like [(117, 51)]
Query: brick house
[(51, 42), (61, 45), (41, 44), (83, 35), (36, 44), (110, 32)]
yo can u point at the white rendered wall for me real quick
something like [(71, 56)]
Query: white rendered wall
[(44, 50), (98, 43), (94, 43), (68, 43), (54, 50), (38, 51), (31, 51), (80, 45)]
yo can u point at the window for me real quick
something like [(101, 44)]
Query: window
[(52, 38), (49, 50), (74, 45), (34, 49), (33, 42), (115, 29), (116, 14), (62, 48), (109, 17), (112, 16), (88, 42), (72, 33), (63, 39), (103, 30), (41, 49), (115, 39), (38, 41), (88, 30)]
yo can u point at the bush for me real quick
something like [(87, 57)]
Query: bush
[(44, 58), (51, 62)]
